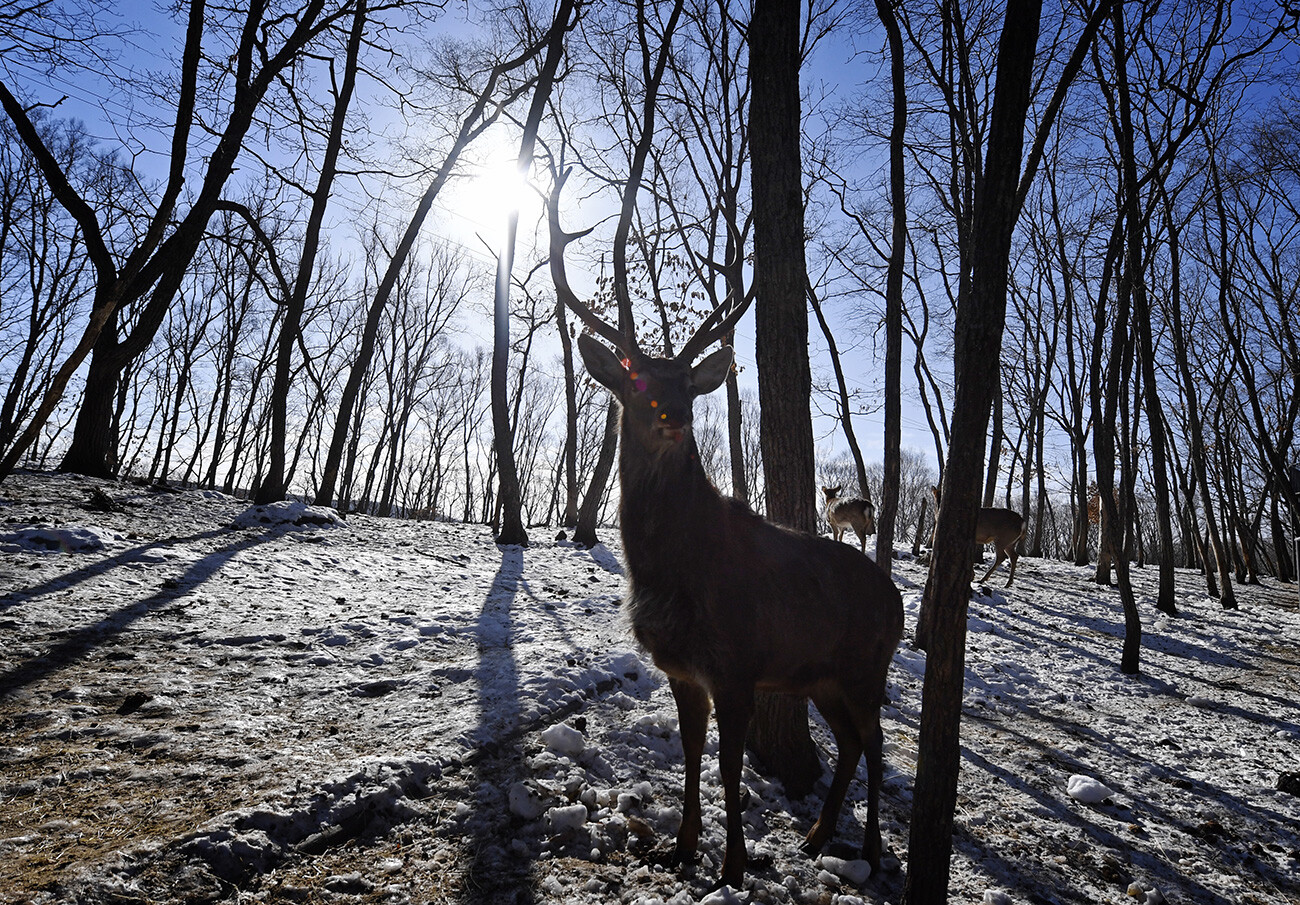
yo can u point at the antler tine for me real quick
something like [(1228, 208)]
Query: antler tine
[(625, 341), (714, 328)]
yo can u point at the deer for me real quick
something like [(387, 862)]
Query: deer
[(1002, 528), (726, 603), (849, 512)]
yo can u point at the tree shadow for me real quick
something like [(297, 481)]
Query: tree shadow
[(499, 862), (77, 643), (1145, 859), (100, 566)]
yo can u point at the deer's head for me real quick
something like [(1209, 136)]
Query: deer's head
[(657, 394)]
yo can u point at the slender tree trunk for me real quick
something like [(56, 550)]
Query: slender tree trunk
[(274, 484), (842, 387), (512, 525), (736, 433), (979, 328), (570, 456), (1136, 278), (996, 436), (584, 533)]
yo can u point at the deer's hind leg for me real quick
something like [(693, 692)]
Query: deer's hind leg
[(1013, 557), (693, 723), (848, 752), (997, 561), (867, 720)]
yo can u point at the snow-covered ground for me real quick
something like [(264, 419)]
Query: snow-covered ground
[(201, 701)]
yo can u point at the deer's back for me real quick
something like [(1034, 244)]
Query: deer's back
[(998, 526), (848, 512)]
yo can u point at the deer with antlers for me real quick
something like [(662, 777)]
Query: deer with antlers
[(725, 602)]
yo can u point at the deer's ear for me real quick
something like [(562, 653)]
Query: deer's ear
[(709, 374), (601, 363)]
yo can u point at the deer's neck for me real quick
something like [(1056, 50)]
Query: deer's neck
[(667, 504)]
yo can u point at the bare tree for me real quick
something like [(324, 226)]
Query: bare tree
[(44, 272), (266, 44), (485, 109), (997, 206), (274, 486)]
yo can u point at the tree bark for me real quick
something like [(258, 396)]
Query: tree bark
[(887, 517), (589, 513), (779, 732)]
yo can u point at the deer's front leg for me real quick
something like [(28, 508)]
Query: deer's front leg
[(693, 723), (733, 713)]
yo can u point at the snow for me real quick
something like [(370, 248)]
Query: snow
[(203, 701), (1086, 789)]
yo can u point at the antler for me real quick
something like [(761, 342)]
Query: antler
[(624, 340), (715, 326)]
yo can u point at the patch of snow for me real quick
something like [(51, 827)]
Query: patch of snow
[(855, 871), (288, 512), (60, 539), (1087, 790), (567, 817), (563, 739)]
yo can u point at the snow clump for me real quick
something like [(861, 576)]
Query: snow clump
[(1086, 789)]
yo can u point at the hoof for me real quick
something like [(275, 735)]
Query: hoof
[(670, 857), (738, 883)]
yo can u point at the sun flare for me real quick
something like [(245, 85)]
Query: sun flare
[(493, 190)]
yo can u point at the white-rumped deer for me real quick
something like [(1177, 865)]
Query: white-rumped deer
[(1002, 528), (725, 602), (849, 512)]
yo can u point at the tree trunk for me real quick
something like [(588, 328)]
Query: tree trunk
[(842, 388), (512, 524), (569, 518), (1135, 269), (274, 485), (887, 518), (93, 450), (979, 328), (779, 732), (736, 433), (996, 436), (589, 513)]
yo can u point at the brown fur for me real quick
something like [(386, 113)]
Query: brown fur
[(727, 603), (849, 512), (1002, 528)]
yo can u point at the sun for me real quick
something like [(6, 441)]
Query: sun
[(491, 190)]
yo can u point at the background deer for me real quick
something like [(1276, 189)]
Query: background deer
[(849, 512), (1002, 528)]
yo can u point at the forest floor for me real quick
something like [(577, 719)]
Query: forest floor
[(204, 701)]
